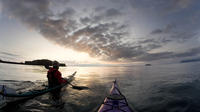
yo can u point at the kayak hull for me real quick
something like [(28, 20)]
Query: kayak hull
[(115, 102)]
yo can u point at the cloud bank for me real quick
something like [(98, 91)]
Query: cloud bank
[(101, 31)]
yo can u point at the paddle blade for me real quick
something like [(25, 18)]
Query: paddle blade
[(80, 87)]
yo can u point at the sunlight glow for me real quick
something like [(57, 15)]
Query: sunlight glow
[(55, 52)]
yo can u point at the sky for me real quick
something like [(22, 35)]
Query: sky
[(100, 31)]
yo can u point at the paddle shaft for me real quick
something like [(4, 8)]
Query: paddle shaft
[(70, 84)]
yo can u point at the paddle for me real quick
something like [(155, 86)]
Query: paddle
[(78, 87)]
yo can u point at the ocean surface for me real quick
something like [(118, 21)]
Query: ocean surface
[(156, 88)]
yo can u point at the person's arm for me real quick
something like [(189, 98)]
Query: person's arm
[(60, 79)]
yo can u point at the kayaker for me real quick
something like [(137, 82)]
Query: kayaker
[(55, 78)]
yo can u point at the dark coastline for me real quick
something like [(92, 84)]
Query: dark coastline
[(34, 62), (190, 60)]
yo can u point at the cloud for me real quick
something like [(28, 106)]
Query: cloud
[(4, 55), (157, 31), (147, 41), (155, 56), (167, 29), (176, 5), (169, 55), (171, 33), (101, 14), (112, 13), (0, 7), (85, 20), (8, 54), (99, 8), (68, 12), (162, 6), (194, 18), (190, 52), (183, 36)]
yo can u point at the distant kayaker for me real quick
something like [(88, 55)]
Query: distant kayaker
[(55, 78)]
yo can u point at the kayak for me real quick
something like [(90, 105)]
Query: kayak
[(115, 102), (9, 96), (37, 92)]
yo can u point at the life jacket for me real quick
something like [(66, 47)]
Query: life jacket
[(53, 76)]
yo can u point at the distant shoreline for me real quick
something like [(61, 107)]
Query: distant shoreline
[(41, 62), (190, 60)]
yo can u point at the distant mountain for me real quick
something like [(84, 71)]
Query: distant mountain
[(190, 60)]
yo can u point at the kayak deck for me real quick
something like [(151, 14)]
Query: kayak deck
[(115, 102)]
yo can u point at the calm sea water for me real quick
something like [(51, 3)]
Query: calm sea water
[(157, 88)]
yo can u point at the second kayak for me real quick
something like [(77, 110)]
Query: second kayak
[(8, 96), (115, 102), (37, 92)]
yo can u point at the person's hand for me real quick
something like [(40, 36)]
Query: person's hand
[(64, 80), (46, 66)]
